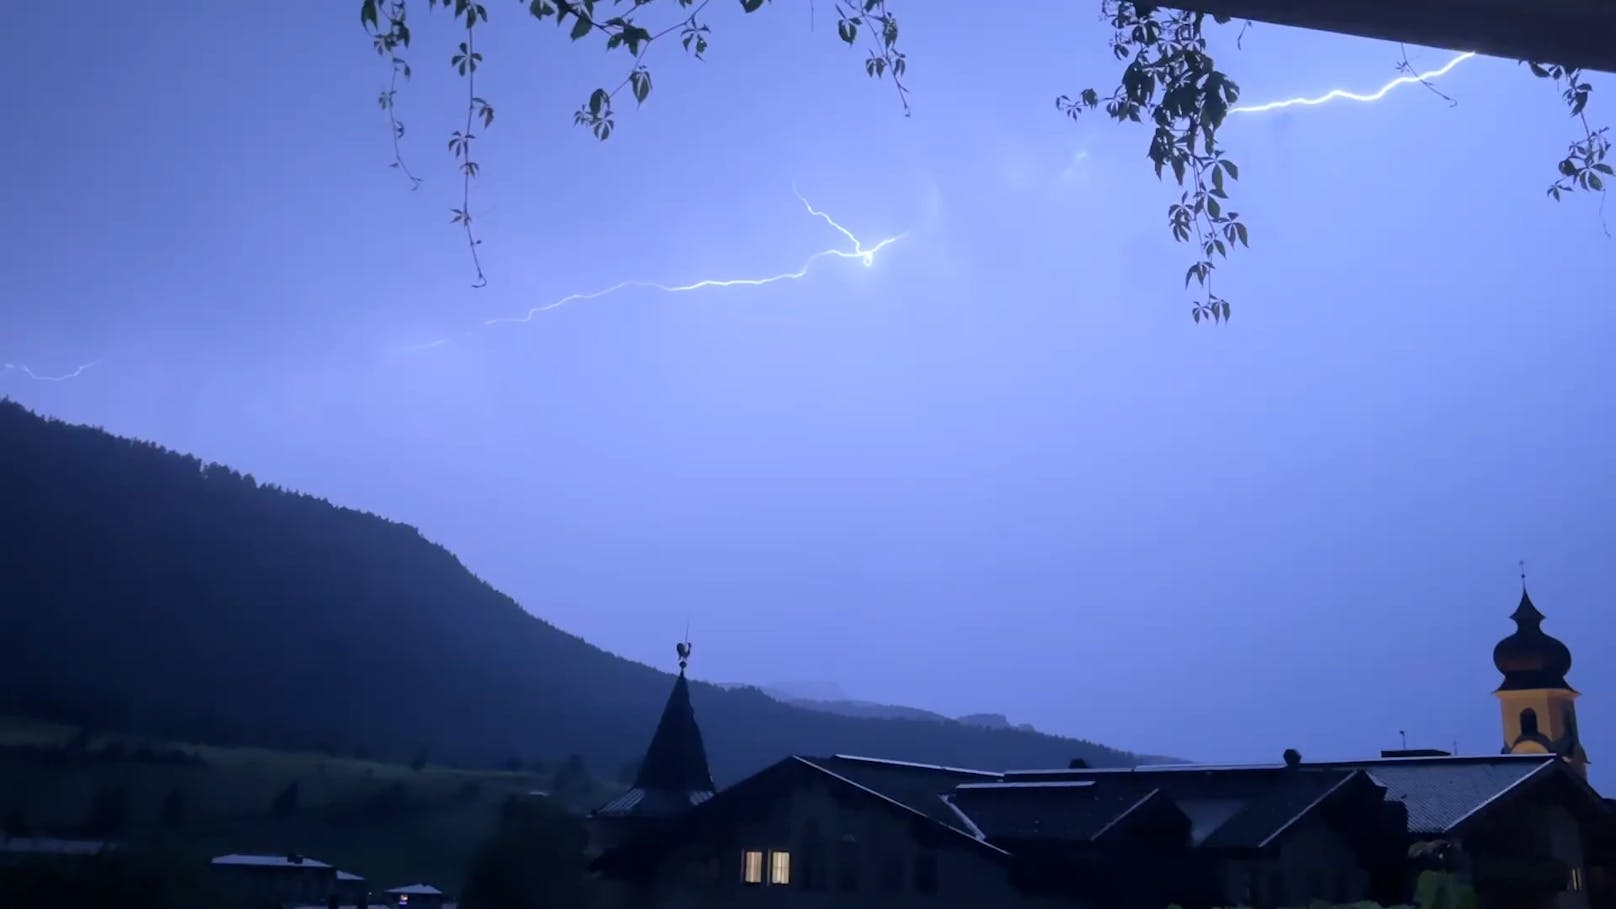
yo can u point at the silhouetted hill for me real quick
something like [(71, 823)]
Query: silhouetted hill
[(147, 591)]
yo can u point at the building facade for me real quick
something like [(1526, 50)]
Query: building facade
[(1523, 826)]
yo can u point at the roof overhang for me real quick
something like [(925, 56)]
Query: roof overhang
[(1579, 797), (1571, 32)]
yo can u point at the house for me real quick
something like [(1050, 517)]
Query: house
[(1522, 826), (350, 889), (276, 880), (1518, 826), (1526, 826), (846, 830), (416, 896)]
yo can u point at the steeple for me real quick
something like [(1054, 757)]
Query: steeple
[(1538, 704), (676, 761), (673, 777)]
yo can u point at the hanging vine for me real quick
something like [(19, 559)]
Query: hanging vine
[(1170, 83)]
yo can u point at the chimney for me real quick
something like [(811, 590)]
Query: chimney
[(1293, 758), (1077, 764)]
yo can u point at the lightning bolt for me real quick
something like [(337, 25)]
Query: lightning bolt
[(23, 368), (859, 252), (1342, 95)]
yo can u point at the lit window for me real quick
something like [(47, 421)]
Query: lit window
[(779, 867), (752, 867), (1575, 884)]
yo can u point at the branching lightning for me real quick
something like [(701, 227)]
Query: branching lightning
[(1343, 95), (6, 368), (858, 252)]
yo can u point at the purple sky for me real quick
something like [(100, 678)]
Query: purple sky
[(999, 471)]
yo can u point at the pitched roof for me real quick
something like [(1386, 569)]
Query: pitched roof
[(1443, 792), (1226, 807), (271, 861), (34, 845), (922, 788), (908, 790)]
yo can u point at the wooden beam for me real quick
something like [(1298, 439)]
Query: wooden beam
[(1571, 32)]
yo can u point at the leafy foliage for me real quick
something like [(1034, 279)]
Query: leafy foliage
[(1584, 165), (535, 859), (1170, 83)]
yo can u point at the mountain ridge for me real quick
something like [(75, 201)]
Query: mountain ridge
[(152, 590)]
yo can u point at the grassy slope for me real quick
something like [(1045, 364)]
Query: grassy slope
[(228, 799)]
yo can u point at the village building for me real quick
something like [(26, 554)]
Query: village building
[(276, 880), (1522, 826)]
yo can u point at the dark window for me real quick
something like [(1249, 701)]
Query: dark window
[(892, 874), (1276, 889), (813, 868), (926, 873), (847, 867), (1528, 722)]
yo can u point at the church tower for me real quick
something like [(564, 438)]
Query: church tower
[(673, 777), (1538, 704)]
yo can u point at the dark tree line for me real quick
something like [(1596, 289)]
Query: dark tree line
[(149, 592)]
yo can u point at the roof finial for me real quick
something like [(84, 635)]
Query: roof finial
[(1523, 575), (683, 648)]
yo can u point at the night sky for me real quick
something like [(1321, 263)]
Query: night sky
[(999, 470)]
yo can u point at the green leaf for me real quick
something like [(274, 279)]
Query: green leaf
[(1594, 183), (580, 27)]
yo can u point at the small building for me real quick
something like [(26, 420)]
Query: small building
[(280, 880), (416, 896), (350, 889), (16, 849)]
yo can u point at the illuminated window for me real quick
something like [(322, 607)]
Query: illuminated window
[(751, 867), (780, 868), (1575, 884)]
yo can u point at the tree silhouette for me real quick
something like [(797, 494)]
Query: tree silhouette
[(174, 808), (16, 823), (535, 860), (286, 801), (109, 809)]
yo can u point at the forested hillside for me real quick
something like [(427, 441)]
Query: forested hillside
[(146, 591)]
